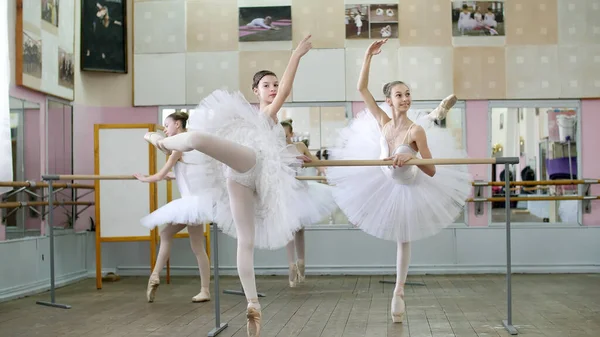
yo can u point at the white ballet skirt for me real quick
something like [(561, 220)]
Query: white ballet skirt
[(465, 22), (280, 209), (402, 204), (196, 205), (317, 196)]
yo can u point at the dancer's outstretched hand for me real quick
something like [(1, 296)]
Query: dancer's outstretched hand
[(304, 46), (304, 158), (141, 177), (400, 159), (375, 47)]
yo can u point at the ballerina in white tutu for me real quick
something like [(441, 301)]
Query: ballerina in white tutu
[(318, 195), (259, 203), (402, 203), (192, 210)]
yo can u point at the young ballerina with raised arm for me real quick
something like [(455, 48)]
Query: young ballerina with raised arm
[(401, 203), (259, 203), (192, 210), (316, 193)]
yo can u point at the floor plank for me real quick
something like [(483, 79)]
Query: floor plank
[(331, 306)]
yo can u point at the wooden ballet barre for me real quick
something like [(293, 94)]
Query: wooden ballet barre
[(435, 161), (311, 178), (17, 204), (40, 184), (538, 182), (556, 198)]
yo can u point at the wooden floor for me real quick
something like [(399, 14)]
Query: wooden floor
[(544, 305)]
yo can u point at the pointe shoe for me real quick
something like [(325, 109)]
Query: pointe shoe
[(253, 316), (441, 111), (154, 138), (398, 308), (294, 275), (153, 284), (203, 296), (301, 268)]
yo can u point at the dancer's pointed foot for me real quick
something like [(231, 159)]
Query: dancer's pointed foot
[(155, 139), (153, 284), (442, 110), (253, 316), (293, 275), (301, 269), (203, 296)]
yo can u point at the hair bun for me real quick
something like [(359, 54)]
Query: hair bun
[(289, 121)]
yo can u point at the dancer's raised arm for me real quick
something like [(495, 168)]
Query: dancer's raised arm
[(164, 172), (363, 84), (287, 81)]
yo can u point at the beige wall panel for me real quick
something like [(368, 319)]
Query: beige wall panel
[(531, 22), (323, 19), (253, 61), (206, 72), (531, 72), (321, 77), (159, 27), (212, 25), (159, 79), (591, 77), (479, 73), (384, 68), (427, 70)]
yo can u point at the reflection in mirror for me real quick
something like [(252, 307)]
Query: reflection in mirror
[(25, 134), (59, 142), (545, 140)]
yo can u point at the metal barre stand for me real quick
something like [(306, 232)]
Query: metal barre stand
[(219, 327), (52, 302), (508, 322)]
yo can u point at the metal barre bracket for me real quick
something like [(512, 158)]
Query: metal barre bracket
[(586, 204), (478, 196), (507, 160), (51, 177)]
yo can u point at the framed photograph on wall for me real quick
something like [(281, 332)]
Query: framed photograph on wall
[(372, 21), (268, 23), (104, 36), (44, 46), (478, 22)]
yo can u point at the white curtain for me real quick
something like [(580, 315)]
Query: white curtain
[(6, 169)]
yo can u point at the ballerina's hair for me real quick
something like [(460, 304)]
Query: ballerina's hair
[(180, 116), (259, 75), (387, 88), (287, 123)]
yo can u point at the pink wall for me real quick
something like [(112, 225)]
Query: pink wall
[(32, 141), (590, 120), (83, 150), (477, 147)]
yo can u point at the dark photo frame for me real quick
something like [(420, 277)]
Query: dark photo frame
[(104, 36)]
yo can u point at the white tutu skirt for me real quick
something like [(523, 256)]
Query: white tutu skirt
[(279, 209), (317, 199), (191, 211), (392, 210)]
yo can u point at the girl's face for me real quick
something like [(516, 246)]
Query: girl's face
[(400, 99), (267, 89), (172, 127)]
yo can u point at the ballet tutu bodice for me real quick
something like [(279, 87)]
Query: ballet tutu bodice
[(280, 209), (400, 204), (196, 205)]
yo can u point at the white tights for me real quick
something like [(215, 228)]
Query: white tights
[(296, 247), (241, 159), (402, 262), (196, 241)]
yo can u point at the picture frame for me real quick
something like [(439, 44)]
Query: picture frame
[(104, 36), (45, 47)]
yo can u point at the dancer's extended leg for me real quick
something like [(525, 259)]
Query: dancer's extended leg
[(164, 250), (293, 268), (239, 157), (199, 249), (402, 262), (299, 239), (242, 209)]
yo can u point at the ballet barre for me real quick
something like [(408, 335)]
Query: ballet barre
[(219, 326)]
